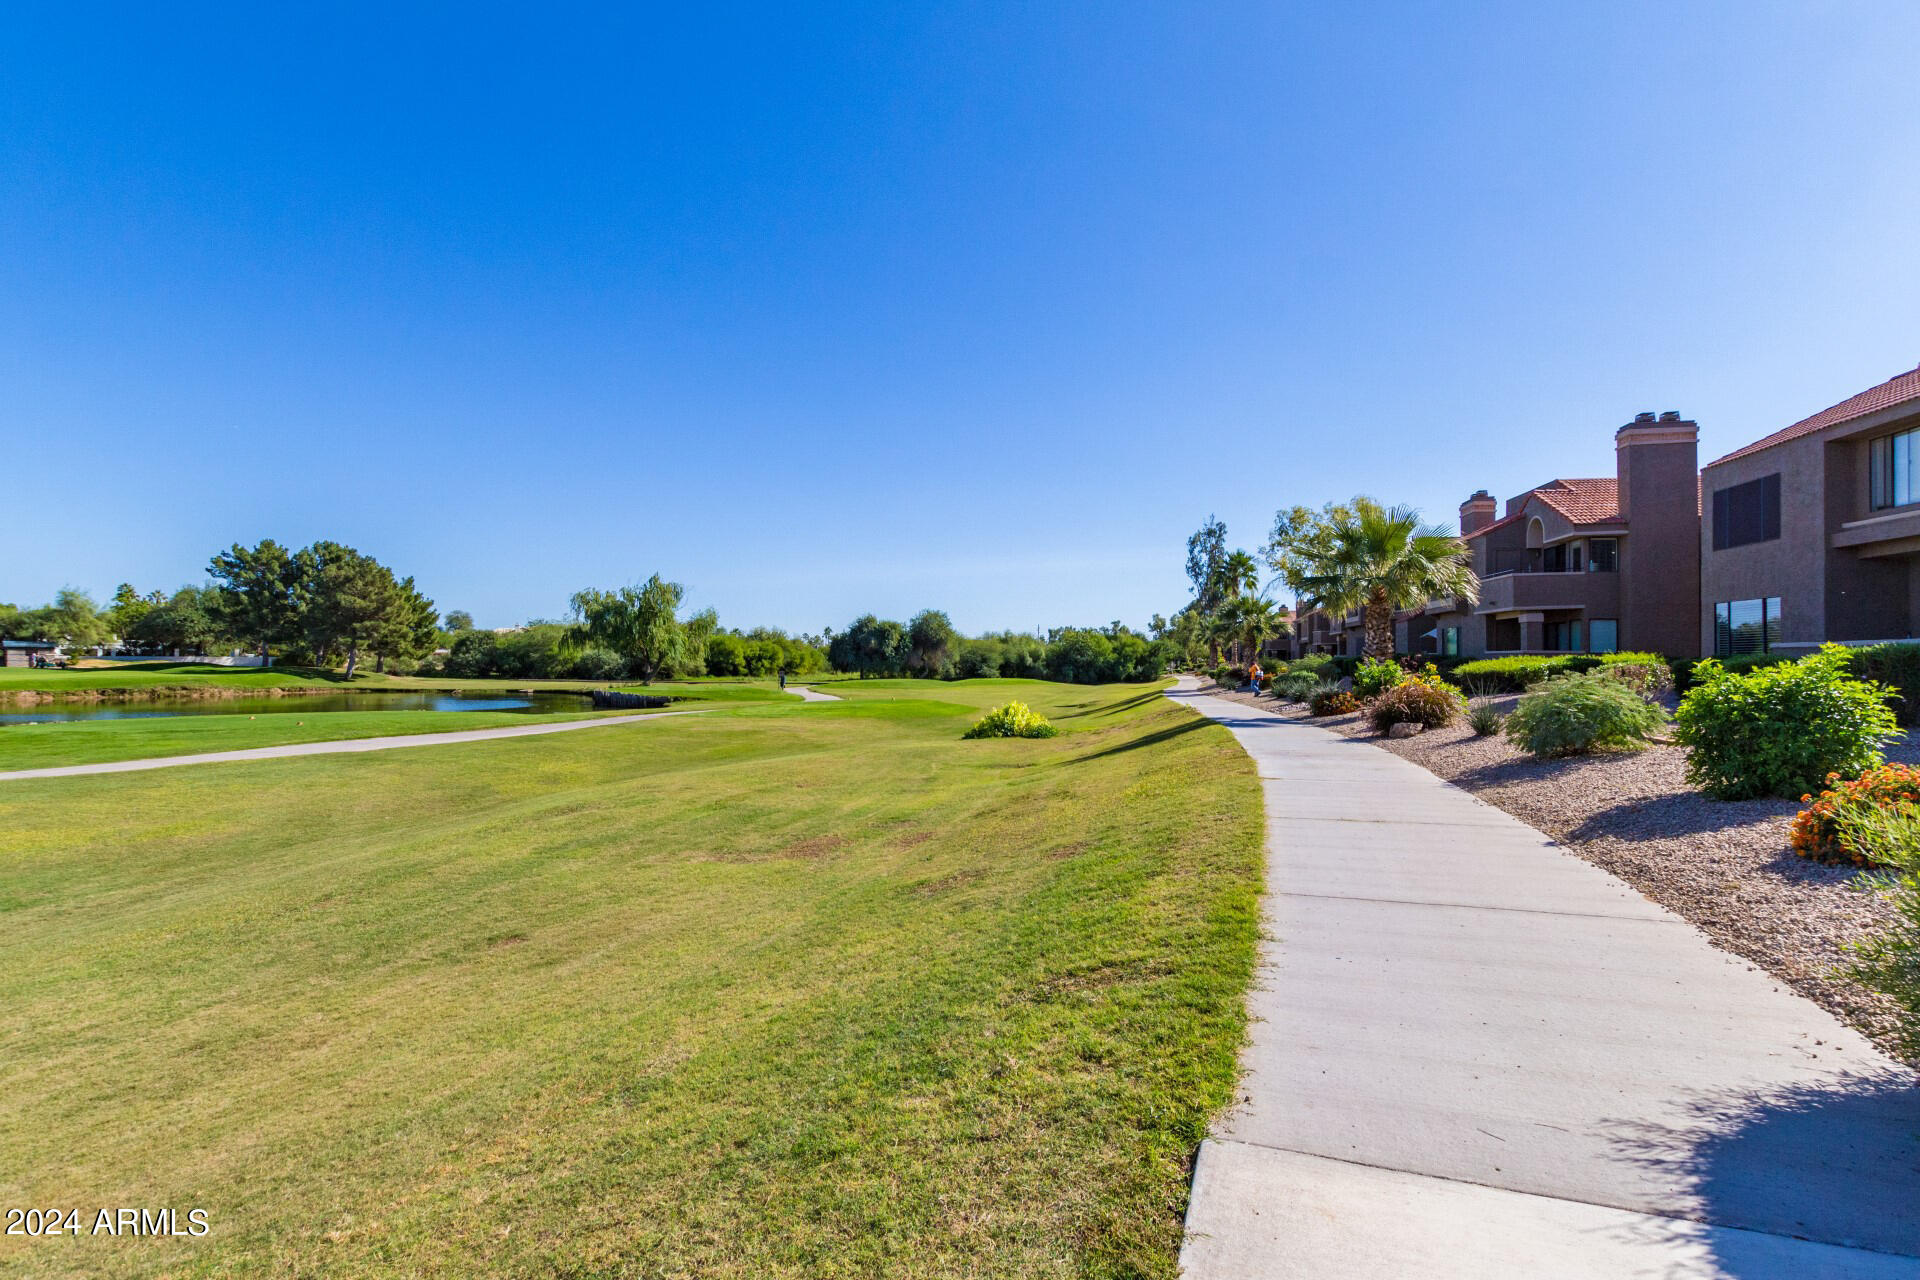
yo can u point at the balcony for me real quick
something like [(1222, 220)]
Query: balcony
[(1896, 533), (1595, 594)]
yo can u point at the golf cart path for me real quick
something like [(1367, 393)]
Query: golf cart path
[(1474, 1054), (337, 747), (812, 695)]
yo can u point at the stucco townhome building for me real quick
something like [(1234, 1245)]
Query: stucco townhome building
[(1813, 533), (1583, 565)]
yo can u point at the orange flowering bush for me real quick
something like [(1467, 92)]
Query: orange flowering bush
[(1816, 831), (1331, 700)]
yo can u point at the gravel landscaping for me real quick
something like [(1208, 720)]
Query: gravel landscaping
[(1724, 865)]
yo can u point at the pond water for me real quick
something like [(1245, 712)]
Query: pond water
[(533, 703)]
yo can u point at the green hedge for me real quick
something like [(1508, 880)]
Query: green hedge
[(1515, 674), (1896, 664)]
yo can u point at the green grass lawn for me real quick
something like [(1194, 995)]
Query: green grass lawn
[(808, 991), (45, 746)]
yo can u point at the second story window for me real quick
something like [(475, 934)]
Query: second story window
[(1746, 513), (1603, 555), (1892, 467)]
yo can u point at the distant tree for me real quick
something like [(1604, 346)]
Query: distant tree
[(871, 647), (458, 620), (1080, 657), (930, 643), (641, 625), (128, 607), (75, 619), (347, 601), (1206, 555), (726, 655), (407, 629), (1362, 555), (258, 603), (186, 622), (474, 655)]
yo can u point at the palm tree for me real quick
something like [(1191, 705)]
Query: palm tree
[(1239, 575), (1246, 622), (1378, 559)]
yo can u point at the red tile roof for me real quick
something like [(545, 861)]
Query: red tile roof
[(1501, 523), (1581, 501), (1595, 501), (1898, 389)]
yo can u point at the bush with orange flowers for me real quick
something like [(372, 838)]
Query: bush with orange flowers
[(1817, 831)]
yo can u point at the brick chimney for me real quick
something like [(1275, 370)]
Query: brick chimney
[(1657, 462), (1477, 512)]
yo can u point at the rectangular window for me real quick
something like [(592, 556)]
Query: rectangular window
[(1555, 559), (1603, 555), (1606, 635), (1747, 513), (1746, 626), (1892, 467), (1450, 641)]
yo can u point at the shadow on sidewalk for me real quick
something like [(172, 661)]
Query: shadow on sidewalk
[(1837, 1163)]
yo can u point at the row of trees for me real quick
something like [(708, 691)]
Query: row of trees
[(928, 647), (325, 601), (1345, 556)]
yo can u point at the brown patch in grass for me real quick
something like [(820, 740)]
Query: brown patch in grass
[(928, 888), (911, 839), (1110, 974), (818, 847)]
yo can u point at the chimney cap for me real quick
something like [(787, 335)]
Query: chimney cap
[(1478, 495), (1643, 417), (1671, 415)]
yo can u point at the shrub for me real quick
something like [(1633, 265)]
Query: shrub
[(599, 664), (1375, 676), (1295, 685), (1228, 677), (1573, 714), (1015, 720), (1819, 833), (1889, 960), (1331, 700), (1420, 700), (1896, 665), (1781, 728), (1484, 719), (1310, 664), (1648, 679), (1516, 675)]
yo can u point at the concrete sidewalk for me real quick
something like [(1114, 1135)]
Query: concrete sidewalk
[(1476, 1055)]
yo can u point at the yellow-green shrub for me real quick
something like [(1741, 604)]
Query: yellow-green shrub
[(1015, 720)]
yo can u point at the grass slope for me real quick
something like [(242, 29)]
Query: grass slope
[(831, 993)]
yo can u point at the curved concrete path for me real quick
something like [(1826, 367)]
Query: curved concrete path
[(813, 695), (340, 746), (1475, 1055)]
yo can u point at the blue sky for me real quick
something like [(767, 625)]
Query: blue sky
[(826, 309)]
